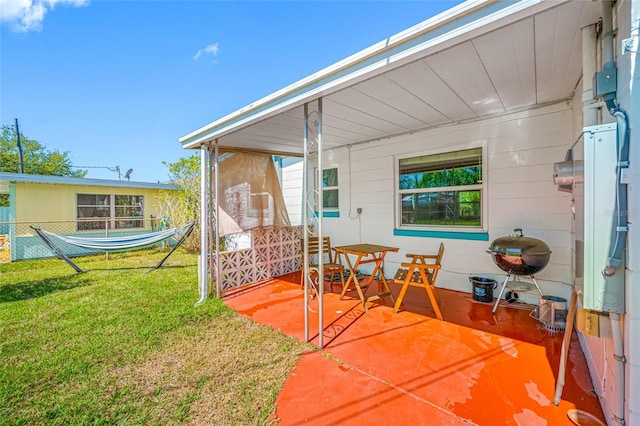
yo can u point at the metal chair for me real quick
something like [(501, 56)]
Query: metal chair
[(421, 274)]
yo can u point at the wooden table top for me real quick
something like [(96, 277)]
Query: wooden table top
[(364, 249)]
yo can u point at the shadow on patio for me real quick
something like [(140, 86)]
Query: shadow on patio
[(410, 368)]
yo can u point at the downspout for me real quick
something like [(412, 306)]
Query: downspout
[(619, 239), (204, 214)]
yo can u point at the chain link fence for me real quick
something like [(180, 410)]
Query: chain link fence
[(19, 241)]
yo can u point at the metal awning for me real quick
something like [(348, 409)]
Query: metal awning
[(478, 59), (482, 58)]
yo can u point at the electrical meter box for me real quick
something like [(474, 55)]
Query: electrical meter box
[(601, 293)]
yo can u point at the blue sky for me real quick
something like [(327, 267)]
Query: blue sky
[(118, 82)]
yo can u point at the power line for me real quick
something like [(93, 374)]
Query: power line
[(127, 175), (113, 169)]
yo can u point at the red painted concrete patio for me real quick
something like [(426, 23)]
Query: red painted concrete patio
[(411, 369)]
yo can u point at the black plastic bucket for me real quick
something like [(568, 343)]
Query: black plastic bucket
[(483, 288)]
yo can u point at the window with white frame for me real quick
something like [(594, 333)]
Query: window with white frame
[(330, 189), (97, 211), (441, 190)]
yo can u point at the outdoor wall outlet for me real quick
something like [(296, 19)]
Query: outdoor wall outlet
[(359, 210), (629, 45)]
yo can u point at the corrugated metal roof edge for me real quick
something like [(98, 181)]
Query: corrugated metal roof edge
[(67, 180), (281, 99)]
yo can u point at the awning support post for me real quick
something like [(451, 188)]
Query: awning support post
[(320, 234), (216, 191), (204, 214), (305, 222), (313, 209)]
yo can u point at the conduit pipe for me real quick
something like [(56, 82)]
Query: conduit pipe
[(607, 34), (614, 260), (618, 354), (620, 235)]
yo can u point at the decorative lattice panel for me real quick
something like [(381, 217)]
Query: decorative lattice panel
[(275, 252)]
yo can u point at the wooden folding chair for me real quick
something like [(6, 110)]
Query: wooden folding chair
[(330, 265), (421, 274)]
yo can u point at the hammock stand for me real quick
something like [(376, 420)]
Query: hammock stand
[(110, 244)]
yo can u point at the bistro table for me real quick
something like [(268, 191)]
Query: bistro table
[(363, 251)]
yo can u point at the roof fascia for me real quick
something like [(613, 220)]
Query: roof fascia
[(67, 180)]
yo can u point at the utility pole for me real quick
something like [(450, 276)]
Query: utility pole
[(20, 160)]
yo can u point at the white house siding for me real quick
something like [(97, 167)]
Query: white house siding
[(522, 148), (599, 351), (292, 189)]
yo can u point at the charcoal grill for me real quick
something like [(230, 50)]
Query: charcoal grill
[(518, 255)]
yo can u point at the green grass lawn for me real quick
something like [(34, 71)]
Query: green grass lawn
[(116, 345)]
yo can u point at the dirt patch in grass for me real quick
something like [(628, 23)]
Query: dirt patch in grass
[(225, 372)]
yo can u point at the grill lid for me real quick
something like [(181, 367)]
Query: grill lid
[(518, 245)]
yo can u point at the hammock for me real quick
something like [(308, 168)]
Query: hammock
[(109, 244), (119, 243)]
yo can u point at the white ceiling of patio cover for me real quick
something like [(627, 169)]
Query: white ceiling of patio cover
[(533, 59)]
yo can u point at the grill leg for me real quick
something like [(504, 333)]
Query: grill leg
[(504, 285), (537, 286)]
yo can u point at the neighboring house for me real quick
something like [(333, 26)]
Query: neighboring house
[(68, 205), (496, 93)]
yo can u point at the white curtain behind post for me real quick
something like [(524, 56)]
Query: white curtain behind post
[(250, 196), (246, 196)]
